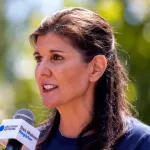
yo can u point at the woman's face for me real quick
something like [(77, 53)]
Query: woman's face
[(61, 74)]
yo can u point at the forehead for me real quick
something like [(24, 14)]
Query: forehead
[(52, 41)]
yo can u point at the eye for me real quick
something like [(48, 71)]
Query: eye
[(57, 57), (38, 58)]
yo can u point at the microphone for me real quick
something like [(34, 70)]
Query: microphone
[(20, 131)]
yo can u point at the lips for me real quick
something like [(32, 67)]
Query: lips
[(48, 87)]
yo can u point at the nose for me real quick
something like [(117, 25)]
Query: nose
[(43, 69)]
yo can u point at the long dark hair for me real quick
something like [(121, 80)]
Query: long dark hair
[(92, 35)]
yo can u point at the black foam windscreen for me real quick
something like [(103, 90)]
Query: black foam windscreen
[(26, 115)]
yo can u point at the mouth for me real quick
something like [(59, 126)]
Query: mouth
[(48, 88)]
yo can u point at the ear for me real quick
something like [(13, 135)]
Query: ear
[(98, 67)]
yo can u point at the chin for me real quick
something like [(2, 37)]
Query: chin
[(50, 104)]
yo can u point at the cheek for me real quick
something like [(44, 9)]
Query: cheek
[(74, 78), (36, 74)]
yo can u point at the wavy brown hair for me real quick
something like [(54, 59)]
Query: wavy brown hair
[(92, 35)]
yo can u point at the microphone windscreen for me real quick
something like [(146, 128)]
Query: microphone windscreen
[(26, 115)]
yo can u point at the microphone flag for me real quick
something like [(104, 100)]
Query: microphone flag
[(19, 130)]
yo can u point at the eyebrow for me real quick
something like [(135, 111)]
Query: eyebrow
[(52, 50), (55, 50)]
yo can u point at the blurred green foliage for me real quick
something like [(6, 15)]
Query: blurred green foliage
[(18, 88)]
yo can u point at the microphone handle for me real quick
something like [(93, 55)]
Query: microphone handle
[(13, 145)]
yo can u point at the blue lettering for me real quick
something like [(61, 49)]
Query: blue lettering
[(25, 135)]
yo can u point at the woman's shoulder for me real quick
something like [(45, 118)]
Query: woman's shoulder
[(136, 137), (137, 128)]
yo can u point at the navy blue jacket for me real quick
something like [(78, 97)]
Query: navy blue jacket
[(137, 137)]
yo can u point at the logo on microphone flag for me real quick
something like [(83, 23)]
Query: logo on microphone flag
[(1, 128)]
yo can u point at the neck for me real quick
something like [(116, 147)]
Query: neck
[(74, 116)]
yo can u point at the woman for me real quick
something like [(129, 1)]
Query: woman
[(78, 73)]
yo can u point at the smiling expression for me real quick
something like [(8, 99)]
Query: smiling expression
[(61, 74)]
